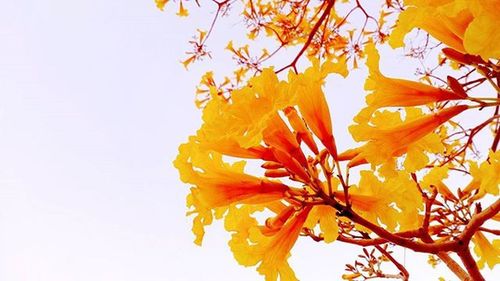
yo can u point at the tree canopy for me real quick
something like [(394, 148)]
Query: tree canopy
[(423, 172)]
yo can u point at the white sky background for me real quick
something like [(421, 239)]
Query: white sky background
[(93, 104)]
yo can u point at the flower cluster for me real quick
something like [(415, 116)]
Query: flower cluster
[(265, 159)]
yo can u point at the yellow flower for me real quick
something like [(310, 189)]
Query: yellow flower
[(485, 178), (218, 184), (466, 26), (312, 103), (243, 120), (251, 124), (432, 260), (160, 4), (384, 143), (434, 179), (391, 92), (325, 217), (350, 276), (487, 252), (278, 135), (300, 127), (182, 11), (374, 199), (250, 246), (482, 37)]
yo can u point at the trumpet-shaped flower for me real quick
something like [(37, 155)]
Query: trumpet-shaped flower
[(160, 4), (466, 26), (300, 127), (313, 106), (278, 135), (242, 121), (434, 179), (487, 252), (251, 246), (485, 177), (324, 216), (385, 142), (219, 184), (392, 92), (250, 125), (375, 199)]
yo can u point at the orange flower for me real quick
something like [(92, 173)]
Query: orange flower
[(270, 250), (466, 26), (250, 125), (435, 179), (242, 121), (391, 92), (313, 106), (300, 127), (218, 184), (386, 143), (160, 4), (325, 217), (182, 11), (278, 135), (371, 200), (276, 251), (488, 253), (485, 177)]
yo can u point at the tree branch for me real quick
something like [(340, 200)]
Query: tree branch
[(470, 265), (315, 28), (477, 220)]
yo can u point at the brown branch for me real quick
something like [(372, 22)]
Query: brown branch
[(315, 28), (448, 261), (404, 242), (428, 205), (378, 241), (470, 265), (460, 245), (382, 233), (404, 272), (454, 266), (472, 133), (496, 139), (477, 220), (494, 145), (220, 5), (464, 239), (492, 231)]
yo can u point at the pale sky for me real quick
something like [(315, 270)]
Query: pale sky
[(93, 104)]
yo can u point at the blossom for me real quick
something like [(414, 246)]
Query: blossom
[(160, 4), (279, 136), (312, 103), (392, 92), (251, 246), (434, 179), (485, 177), (374, 200), (488, 253), (325, 216), (183, 12), (466, 26), (267, 120), (219, 184), (385, 142), (300, 127), (243, 120)]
